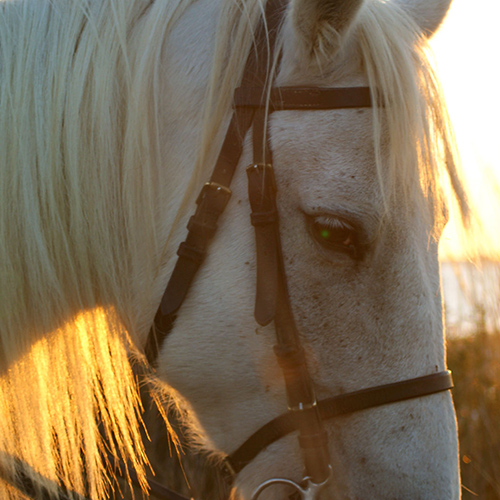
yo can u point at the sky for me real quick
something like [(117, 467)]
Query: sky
[(467, 51)]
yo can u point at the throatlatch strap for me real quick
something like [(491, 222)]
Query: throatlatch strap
[(343, 404)]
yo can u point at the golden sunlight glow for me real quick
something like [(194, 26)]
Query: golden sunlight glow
[(466, 50), (77, 374)]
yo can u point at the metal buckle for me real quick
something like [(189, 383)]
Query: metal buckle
[(265, 171), (309, 491), (214, 197)]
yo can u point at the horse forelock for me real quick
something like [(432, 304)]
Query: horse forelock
[(422, 159), (72, 135)]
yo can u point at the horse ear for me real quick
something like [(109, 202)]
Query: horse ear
[(428, 14), (322, 24)]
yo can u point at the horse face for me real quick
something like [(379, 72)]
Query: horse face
[(363, 277), (366, 297)]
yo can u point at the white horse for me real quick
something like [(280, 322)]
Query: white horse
[(112, 115)]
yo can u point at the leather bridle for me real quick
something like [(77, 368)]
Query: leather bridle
[(253, 102)]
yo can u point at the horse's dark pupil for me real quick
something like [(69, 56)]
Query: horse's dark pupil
[(339, 235)]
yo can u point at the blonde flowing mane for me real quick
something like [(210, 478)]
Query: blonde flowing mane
[(76, 78), (79, 156)]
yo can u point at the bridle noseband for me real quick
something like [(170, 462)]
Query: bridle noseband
[(253, 102)]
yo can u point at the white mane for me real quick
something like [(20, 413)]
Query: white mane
[(78, 160), (79, 199)]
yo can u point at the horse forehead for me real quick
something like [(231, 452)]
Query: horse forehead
[(325, 153)]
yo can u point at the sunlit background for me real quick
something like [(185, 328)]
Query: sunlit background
[(466, 49), (468, 59)]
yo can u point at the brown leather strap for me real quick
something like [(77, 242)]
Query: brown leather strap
[(264, 218), (343, 404), (283, 98), (192, 251)]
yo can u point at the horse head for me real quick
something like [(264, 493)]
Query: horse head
[(360, 215)]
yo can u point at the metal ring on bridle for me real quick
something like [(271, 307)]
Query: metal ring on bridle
[(308, 492)]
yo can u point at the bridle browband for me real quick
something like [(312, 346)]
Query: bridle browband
[(253, 102)]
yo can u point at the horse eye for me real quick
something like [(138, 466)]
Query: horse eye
[(335, 235)]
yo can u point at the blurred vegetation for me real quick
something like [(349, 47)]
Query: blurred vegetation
[(475, 362), (474, 357)]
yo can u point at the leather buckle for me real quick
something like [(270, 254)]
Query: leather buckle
[(213, 197), (264, 172)]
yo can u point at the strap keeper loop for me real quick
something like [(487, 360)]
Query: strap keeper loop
[(263, 218), (191, 253), (289, 357), (201, 228)]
